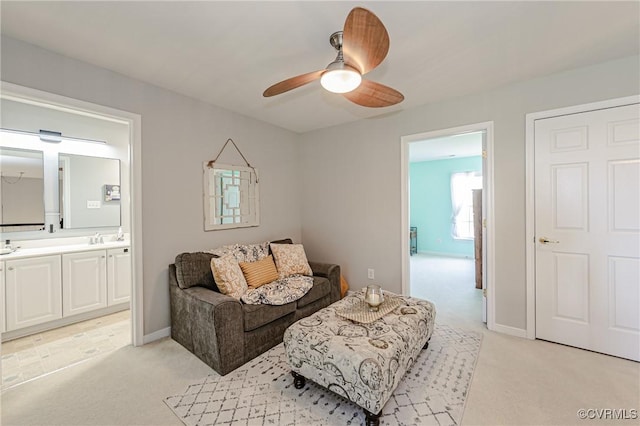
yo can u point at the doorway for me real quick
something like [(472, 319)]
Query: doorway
[(87, 330), (446, 211)]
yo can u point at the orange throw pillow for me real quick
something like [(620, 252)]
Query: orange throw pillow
[(344, 286), (260, 272)]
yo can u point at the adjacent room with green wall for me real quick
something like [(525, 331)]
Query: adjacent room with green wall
[(431, 208)]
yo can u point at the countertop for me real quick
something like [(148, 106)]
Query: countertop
[(21, 253)]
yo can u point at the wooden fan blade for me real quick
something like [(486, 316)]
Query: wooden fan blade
[(292, 83), (374, 95), (365, 41)]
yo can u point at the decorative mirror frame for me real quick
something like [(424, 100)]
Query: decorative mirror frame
[(247, 206)]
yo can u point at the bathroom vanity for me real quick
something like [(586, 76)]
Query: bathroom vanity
[(44, 287)]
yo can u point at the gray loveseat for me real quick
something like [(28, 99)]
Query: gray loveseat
[(226, 333)]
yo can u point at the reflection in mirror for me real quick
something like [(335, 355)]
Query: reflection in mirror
[(89, 191), (231, 197), (21, 190)]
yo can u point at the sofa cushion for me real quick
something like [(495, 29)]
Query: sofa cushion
[(195, 269), (256, 316), (321, 287), (290, 260), (260, 272)]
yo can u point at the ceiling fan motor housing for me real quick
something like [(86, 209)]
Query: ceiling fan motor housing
[(336, 40)]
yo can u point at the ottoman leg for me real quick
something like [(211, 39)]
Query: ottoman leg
[(371, 419), (426, 345), (298, 380)]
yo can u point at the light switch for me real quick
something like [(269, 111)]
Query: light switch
[(93, 204)]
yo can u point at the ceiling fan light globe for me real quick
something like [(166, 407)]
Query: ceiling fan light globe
[(341, 80)]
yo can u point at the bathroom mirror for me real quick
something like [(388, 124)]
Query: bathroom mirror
[(89, 191), (231, 197), (21, 190)]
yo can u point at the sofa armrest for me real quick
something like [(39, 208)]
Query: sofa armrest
[(215, 322), (332, 273)]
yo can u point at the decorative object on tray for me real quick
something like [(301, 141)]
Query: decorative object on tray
[(361, 312), (373, 296)]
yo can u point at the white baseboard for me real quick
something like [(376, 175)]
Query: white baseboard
[(156, 335), (442, 254), (511, 331)]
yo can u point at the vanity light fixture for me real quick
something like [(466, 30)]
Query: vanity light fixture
[(52, 136)]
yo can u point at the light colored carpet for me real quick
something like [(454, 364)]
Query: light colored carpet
[(516, 381), (261, 392), (448, 282)]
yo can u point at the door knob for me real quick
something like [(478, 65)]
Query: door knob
[(545, 240)]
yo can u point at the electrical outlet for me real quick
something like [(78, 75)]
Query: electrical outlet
[(371, 274), (93, 204)]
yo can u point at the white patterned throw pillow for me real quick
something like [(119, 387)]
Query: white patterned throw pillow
[(291, 260), (228, 276)]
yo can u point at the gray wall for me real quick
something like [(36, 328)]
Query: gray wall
[(178, 134), (356, 167), (349, 175)]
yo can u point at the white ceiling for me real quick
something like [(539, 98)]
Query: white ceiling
[(227, 53), (456, 146)]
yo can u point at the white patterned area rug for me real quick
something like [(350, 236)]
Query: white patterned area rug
[(261, 392)]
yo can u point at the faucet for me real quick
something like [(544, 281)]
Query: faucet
[(96, 239)]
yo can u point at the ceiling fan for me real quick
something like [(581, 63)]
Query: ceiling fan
[(361, 46)]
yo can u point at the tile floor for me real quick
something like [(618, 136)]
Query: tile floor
[(32, 356)]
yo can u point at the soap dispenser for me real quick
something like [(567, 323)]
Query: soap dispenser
[(120, 236)]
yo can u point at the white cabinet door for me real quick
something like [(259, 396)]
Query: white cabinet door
[(2, 306), (33, 291), (119, 276), (587, 220), (84, 282)]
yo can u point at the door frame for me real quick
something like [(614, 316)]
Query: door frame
[(134, 121), (530, 247), (488, 267)]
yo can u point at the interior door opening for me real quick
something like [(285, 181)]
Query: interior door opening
[(448, 179), (94, 307)]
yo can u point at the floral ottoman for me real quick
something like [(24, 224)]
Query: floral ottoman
[(363, 362)]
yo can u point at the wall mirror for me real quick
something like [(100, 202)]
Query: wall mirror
[(21, 190), (89, 191), (231, 196)]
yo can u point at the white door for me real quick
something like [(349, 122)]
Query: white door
[(33, 291), (587, 230), (84, 282), (119, 276)]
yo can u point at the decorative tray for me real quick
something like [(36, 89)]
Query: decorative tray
[(360, 312)]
